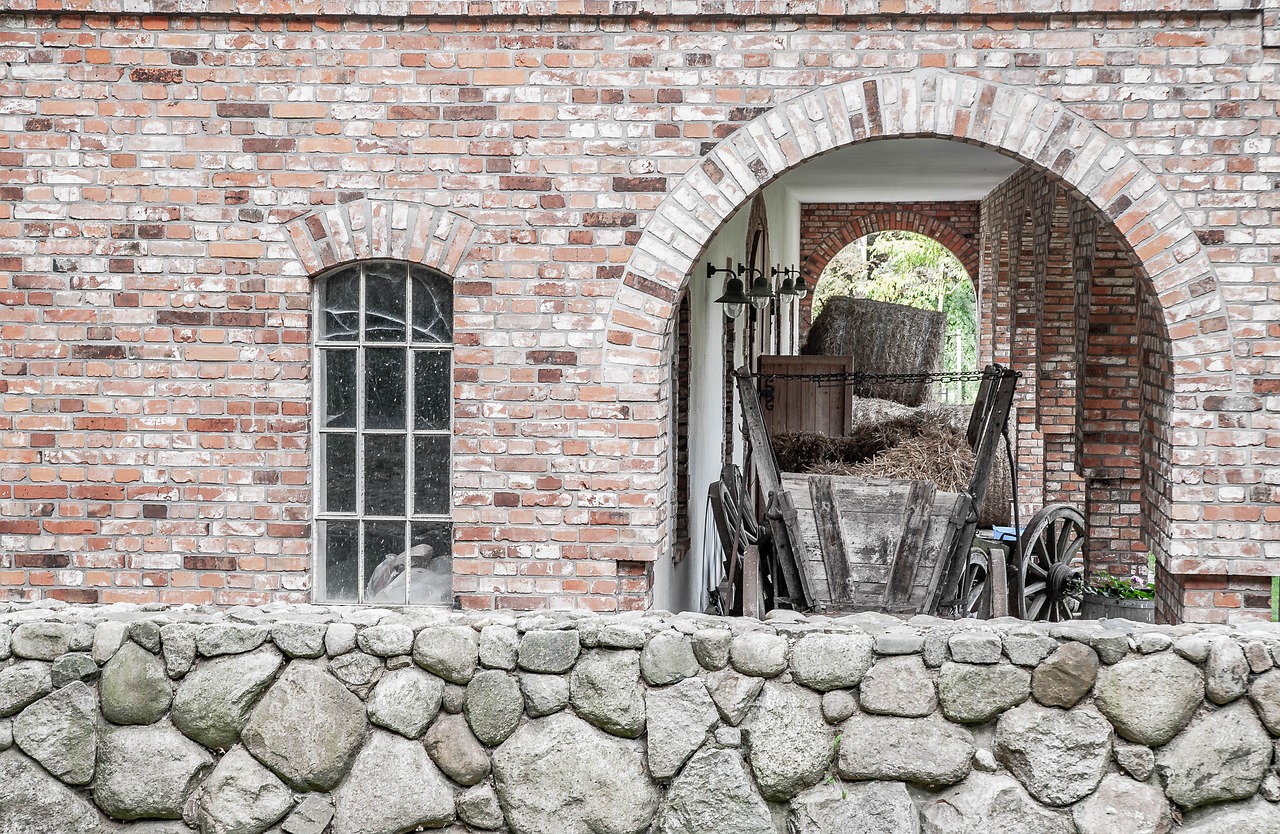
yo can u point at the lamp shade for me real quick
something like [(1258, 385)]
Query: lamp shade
[(734, 298), (761, 293)]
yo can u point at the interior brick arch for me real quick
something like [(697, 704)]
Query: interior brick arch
[(373, 228), (893, 221)]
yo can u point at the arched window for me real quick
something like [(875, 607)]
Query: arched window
[(384, 394)]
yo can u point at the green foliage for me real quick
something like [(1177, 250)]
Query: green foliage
[(911, 269), (1121, 587)]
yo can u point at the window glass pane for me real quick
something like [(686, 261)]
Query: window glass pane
[(384, 558), (432, 389), (339, 452), (339, 407), (339, 547), (340, 305), (384, 388), (432, 306), (384, 298), (431, 579), (384, 468), (431, 474)]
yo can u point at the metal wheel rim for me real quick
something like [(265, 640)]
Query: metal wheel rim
[(974, 598), (1051, 569)]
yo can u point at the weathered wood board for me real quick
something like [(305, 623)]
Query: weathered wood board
[(802, 404)]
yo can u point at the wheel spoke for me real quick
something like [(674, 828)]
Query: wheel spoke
[(1033, 568), (1033, 612), (1068, 528), (1034, 588)]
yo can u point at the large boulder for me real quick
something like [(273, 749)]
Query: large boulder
[(714, 795), (23, 683), (855, 808), (1150, 699), (831, 661), (973, 694), (680, 717), (1265, 695), (214, 701), (307, 728), (494, 705), (1226, 672), (925, 751), (560, 775), (392, 787), (1222, 756), (135, 687), (147, 772), (41, 640), (33, 802), (406, 701), (899, 686), (759, 654), (242, 797), (548, 652), (733, 694), (989, 803), (1058, 756), (605, 689), (58, 731), (1254, 816), (456, 751), (450, 652), (789, 744), (1123, 805), (1066, 676), (667, 658)]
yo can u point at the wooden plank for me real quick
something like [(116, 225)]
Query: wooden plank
[(806, 405), (911, 545), (752, 593), (762, 460), (784, 523), (955, 523), (981, 406), (827, 520), (811, 565)]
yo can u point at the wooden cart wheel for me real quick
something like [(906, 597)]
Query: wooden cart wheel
[(1050, 565), (975, 585)]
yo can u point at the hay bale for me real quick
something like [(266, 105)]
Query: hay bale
[(882, 338), (938, 453)]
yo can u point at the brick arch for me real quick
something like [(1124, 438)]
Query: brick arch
[(373, 228), (891, 220)]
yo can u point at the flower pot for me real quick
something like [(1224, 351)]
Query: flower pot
[(1097, 607)]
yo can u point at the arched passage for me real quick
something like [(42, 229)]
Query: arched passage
[(1042, 134)]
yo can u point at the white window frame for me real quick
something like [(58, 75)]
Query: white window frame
[(360, 345)]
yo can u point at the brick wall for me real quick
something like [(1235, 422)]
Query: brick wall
[(169, 184)]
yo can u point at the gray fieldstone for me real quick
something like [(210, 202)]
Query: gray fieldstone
[(213, 702), (387, 640), (147, 772), (759, 654), (478, 807), (973, 694), (405, 701), (899, 641), (1066, 677), (1223, 756), (456, 751), (549, 652), (455, 698), (1254, 816), (58, 731), (307, 728), (728, 737), (1137, 760), (31, 800), (299, 639), (1111, 646), (1258, 656), (1123, 805), (392, 787), (71, 667), (452, 652), (560, 775), (544, 694), (135, 688), (621, 636), (838, 705), (339, 638), (6, 642), (6, 733), (668, 658), (898, 686), (1058, 756), (312, 815), (494, 705), (733, 694), (975, 645), (855, 808), (1028, 648), (831, 661), (216, 639), (923, 751), (178, 647), (359, 671), (1192, 647), (605, 689), (1270, 787), (1265, 695), (789, 744), (711, 647), (714, 794), (499, 647), (146, 633), (41, 640), (935, 647), (985, 761), (23, 683), (1151, 698), (1227, 672), (242, 797), (992, 803), (1150, 642), (108, 637)]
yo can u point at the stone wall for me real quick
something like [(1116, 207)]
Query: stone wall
[(368, 721)]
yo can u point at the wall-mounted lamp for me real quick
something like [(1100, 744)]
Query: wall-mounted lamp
[(760, 293), (735, 298), (802, 289)]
